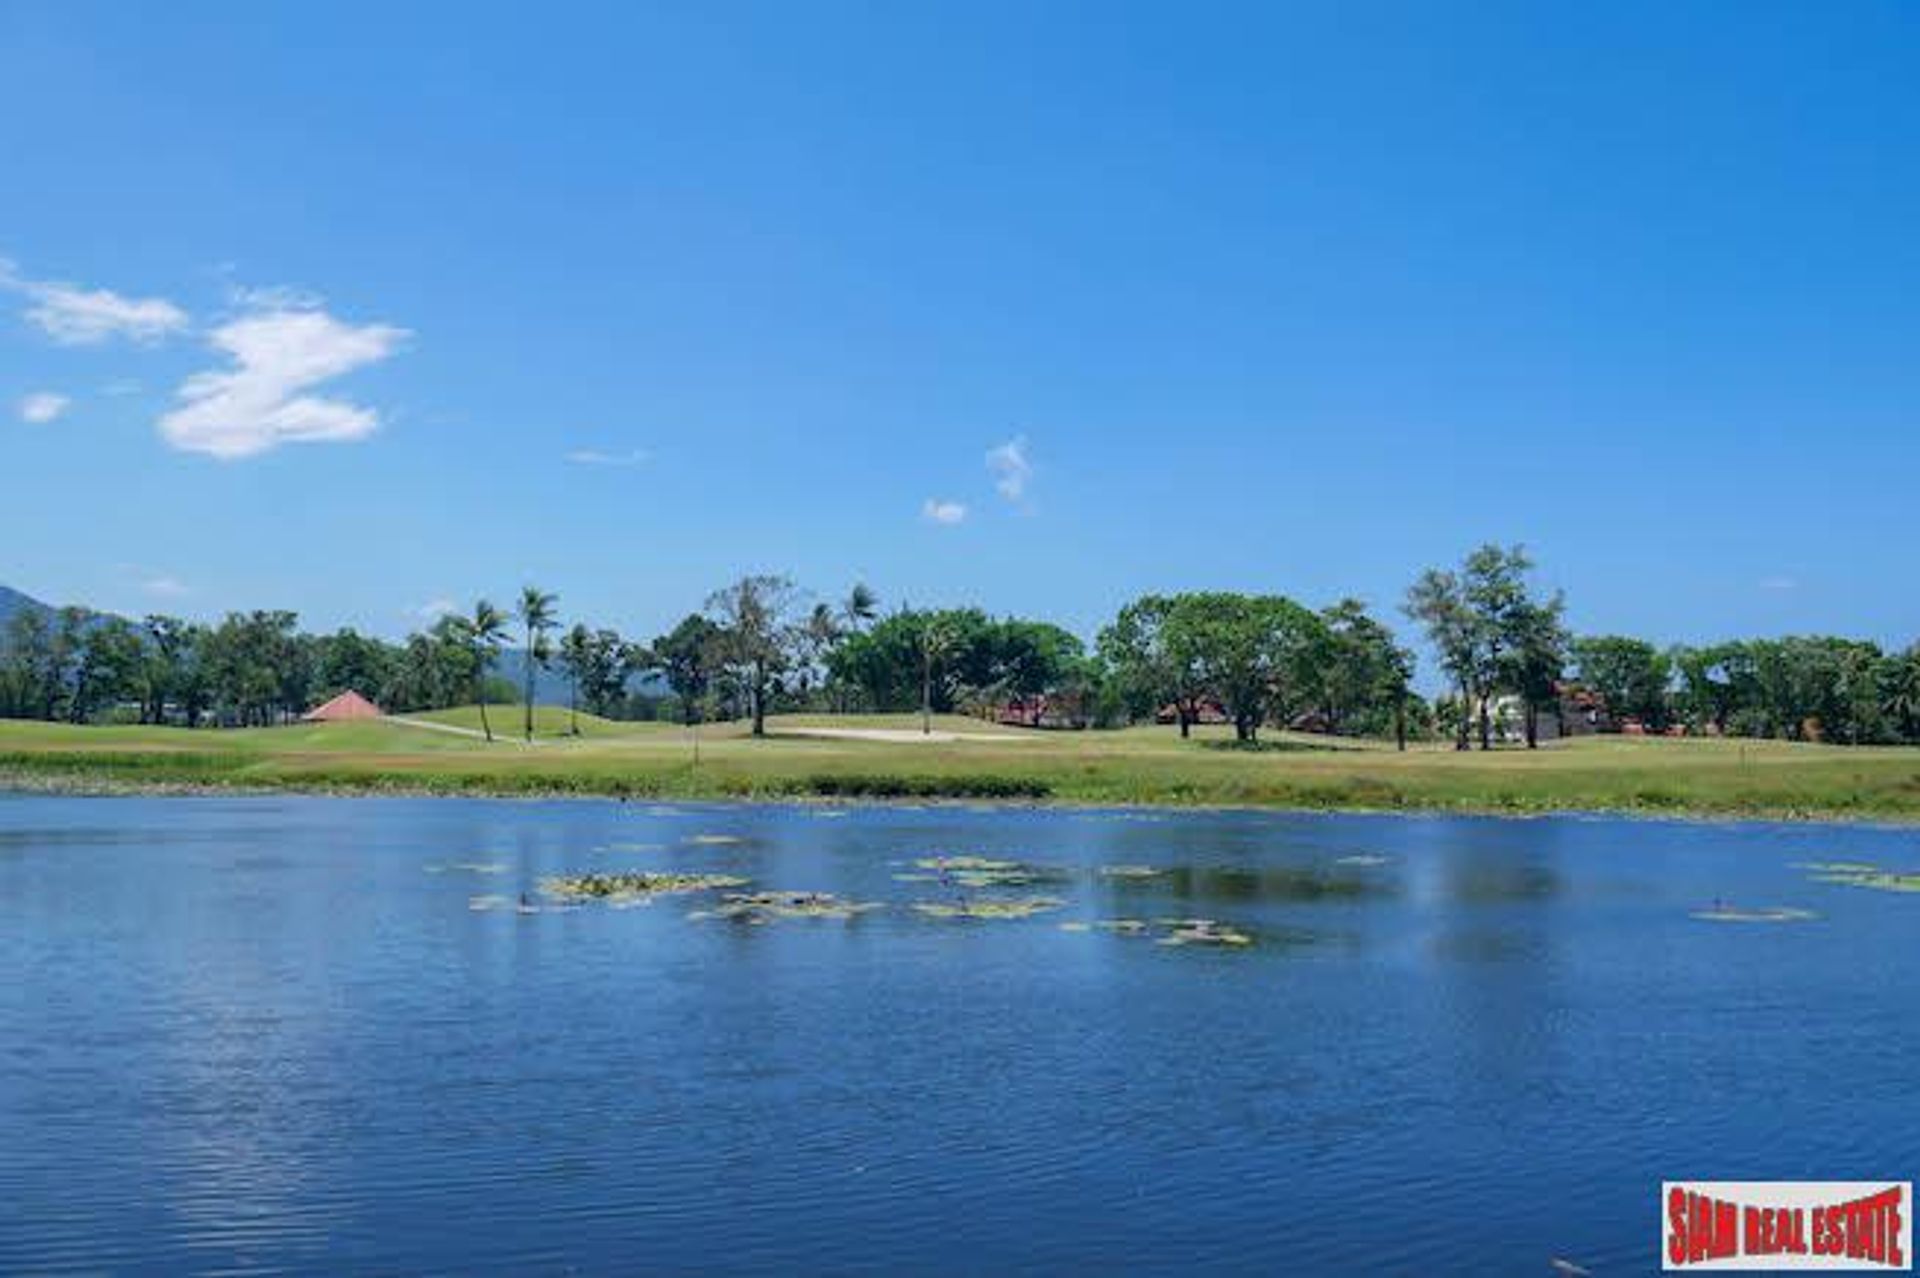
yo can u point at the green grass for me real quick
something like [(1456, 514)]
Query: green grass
[(1135, 766)]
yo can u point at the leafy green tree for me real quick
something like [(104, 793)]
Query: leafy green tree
[(1152, 648), (536, 613), (1364, 674), (1256, 654), (686, 657), (1629, 675), (1536, 655), (1438, 602)]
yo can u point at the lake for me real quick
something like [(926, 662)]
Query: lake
[(250, 1035)]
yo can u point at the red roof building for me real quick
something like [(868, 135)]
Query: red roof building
[(348, 705)]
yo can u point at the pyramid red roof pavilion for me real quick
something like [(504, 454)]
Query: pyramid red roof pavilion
[(348, 705)]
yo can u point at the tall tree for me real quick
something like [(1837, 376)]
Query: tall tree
[(536, 615), (1153, 649), (1535, 658), (1438, 602), (859, 608), (938, 639), (1628, 675), (576, 658), (756, 640), (481, 635), (686, 658)]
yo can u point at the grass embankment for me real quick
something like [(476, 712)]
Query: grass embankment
[(1135, 766)]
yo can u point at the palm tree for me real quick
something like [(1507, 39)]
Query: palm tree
[(860, 606), (576, 653), (536, 613), (936, 641), (485, 631)]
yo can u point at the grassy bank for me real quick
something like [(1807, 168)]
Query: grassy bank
[(1136, 766)]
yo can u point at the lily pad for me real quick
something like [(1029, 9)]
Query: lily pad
[(597, 886), (764, 907), (1766, 914), (1207, 932), (989, 872), (1859, 874), (1016, 908)]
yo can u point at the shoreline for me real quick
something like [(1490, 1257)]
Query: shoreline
[(101, 783)]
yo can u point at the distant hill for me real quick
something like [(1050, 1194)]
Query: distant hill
[(13, 603)]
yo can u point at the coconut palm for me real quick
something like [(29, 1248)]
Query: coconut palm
[(483, 633), (536, 614), (937, 640), (576, 655), (860, 606)]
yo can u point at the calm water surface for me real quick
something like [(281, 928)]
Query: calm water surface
[(256, 1035)]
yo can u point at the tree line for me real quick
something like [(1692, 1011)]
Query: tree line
[(761, 645)]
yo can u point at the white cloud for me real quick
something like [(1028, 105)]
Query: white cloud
[(1012, 470), (943, 512), (595, 457), (76, 316), (434, 609), (164, 587), (43, 406), (1779, 583), (256, 405)]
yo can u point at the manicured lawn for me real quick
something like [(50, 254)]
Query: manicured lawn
[(1136, 765)]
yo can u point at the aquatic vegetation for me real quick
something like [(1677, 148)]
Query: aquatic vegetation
[(598, 886), (1860, 874), (988, 872), (1767, 914), (1206, 932), (1014, 908), (1129, 872), (764, 907)]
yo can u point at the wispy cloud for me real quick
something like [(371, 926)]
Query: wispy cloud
[(596, 457), (121, 387), (1779, 583), (943, 512), (77, 316), (257, 405), (165, 587), (43, 406), (1011, 468), (434, 609)]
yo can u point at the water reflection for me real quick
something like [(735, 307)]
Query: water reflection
[(271, 1035)]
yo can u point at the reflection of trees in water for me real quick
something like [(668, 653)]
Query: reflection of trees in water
[(1480, 883), (1287, 884)]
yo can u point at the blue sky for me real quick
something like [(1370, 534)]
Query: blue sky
[(352, 309)]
